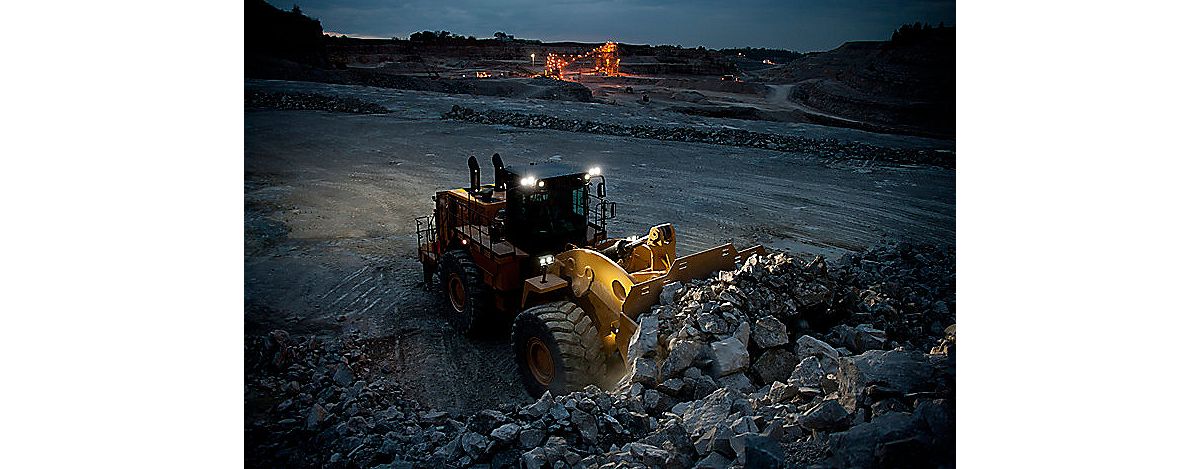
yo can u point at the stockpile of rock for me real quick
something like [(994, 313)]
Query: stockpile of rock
[(907, 290), (781, 362), (311, 102), (819, 354), (825, 148)]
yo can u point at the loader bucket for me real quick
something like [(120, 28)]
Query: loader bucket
[(616, 296), (699, 265), (644, 295)]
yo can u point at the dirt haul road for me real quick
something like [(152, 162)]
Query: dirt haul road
[(330, 200)]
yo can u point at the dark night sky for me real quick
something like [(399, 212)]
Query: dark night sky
[(800, 25)]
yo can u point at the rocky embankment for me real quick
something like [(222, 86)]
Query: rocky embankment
[(783, 362), (311, 102), (824, 148)]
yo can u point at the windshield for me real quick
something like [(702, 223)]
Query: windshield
[(550, 217)]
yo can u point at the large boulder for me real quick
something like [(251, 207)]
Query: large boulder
[(859, 338), (539, 407), (768, 332), (714, 461), (343, 376), (699, 416), (506, 433), (738, 382), (729, 356), (902, 372), (716, 441), (774, 365), (649, 455), (586, 424), (645, 338), (827, 416), (652, 400), (762, 452), (474, 444), (644, 371), (742, 332), (862, 445), (672, 386), (534, 458), (810, 373), (674, 438), (785, 392), (809, 346), (531, 437), (683, 353)]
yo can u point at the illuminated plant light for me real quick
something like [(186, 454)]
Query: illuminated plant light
[(607, 61)]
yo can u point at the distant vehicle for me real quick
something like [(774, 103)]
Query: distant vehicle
[(730, 78)]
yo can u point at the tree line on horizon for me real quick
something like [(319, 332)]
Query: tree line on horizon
[(909, 33)]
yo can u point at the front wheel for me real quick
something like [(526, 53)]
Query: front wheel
[(557, 348)]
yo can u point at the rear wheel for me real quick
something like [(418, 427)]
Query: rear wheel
[(557, 348), (465, 291)]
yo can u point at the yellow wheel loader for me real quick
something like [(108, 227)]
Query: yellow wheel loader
[(535, 244)]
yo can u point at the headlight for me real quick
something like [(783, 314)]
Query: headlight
[(595, 171), (528, 181), (545, 260)]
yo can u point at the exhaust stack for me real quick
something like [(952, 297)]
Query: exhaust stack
[(498, 165), (474, 165)]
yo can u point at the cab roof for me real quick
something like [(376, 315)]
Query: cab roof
[(546, 169)]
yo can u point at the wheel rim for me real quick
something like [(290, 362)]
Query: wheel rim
[(541, 364), (458, 292)]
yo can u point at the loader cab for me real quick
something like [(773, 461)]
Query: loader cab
[(547, 207), (529, 212)]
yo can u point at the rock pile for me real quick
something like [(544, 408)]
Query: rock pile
[(311, 102), (779, 363), (825, 148)]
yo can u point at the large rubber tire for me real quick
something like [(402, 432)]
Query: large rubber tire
[(469, 298), (566, 333)]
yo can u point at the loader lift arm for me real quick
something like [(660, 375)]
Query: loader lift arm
[(615, 294)]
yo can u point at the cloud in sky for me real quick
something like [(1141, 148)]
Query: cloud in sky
[(801, 25)]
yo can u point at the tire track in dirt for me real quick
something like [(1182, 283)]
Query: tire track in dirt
[(434, 363), (442, 368)]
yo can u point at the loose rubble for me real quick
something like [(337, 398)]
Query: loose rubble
[(311, 102), (825, 148), (782, 362)]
